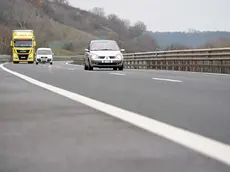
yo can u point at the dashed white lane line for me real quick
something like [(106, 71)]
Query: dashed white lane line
[(61, 67), (71, 69), (76, 65), (204, 145), (120, 74), (164, 79)]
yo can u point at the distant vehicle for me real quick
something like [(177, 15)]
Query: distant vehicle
[(44, 55), (103, 54), (23, 46)]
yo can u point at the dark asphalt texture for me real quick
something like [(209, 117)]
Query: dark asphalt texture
[(42, 131), (199, 104)]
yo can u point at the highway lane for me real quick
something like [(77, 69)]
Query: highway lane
[(200, 103), (42, 131)]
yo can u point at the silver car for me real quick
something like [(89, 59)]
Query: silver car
[(103, 54)]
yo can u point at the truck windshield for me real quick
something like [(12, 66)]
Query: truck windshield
[(44, 52), (23, 43)]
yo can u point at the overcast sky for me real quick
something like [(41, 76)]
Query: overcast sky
[(167, 15)]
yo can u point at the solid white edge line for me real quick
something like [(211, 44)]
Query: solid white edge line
[(120, 74), (164, 79), (206, 146), (217, 74), (175, 71)]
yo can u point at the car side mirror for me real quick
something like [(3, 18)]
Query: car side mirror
[(11, 43), (122, 50), (86, 50)]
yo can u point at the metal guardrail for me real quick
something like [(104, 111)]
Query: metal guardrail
[(216, 60), (7, 58), (4, 58)]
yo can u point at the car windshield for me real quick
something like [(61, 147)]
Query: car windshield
[(44, 52), (107, 45), (23, 43)]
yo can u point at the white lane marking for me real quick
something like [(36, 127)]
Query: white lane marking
[(61, 67), (120, 74), (163, 79), (217, 74), (70, 69), (206, 146), (76, 65), (181, 72)]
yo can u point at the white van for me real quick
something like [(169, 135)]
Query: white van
[(44, 55)]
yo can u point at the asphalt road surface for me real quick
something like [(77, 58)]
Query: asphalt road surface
[(43, 131)]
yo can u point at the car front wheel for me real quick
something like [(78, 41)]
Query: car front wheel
[(90, 67), (85, 67), (121, 68)]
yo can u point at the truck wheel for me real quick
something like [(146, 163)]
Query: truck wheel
[(51, 63), (36, 63)]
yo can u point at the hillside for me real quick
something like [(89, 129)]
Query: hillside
[(69, 29), (190, 39)]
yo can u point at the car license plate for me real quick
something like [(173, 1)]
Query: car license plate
[(106, 61), (23, 57)]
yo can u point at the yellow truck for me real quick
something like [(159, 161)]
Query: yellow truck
[(23, 46)]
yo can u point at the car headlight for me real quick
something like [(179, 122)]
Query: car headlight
[(15, 56), (94, 56), (119, 56)]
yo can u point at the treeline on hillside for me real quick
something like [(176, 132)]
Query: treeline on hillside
[(95, 22), (49, 20), (192, 39)]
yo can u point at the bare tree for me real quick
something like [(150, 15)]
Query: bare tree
[(21, 13), (177, 47), (118, 25), (5, 36), (137, 29), (126, 23), (147, 42), (218, 43)]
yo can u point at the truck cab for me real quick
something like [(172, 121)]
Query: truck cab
[(23, 46)]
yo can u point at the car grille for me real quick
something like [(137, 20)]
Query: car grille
[(23, 57), (23, 51), (102, 57), (107, 64)]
